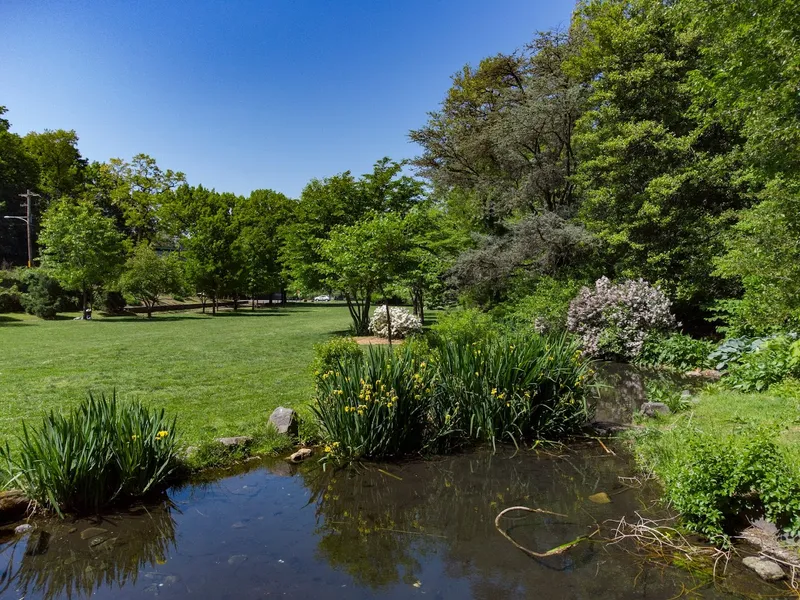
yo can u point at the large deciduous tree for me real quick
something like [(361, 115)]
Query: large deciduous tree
[(81, 248)]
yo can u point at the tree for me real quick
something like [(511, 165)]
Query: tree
[(213, 265), (140, 189), (61, 166), (18, 172), (258, 219), (147, 276), (362, 259), (81, 248), (341, 200), (655, 180), (505, 131)]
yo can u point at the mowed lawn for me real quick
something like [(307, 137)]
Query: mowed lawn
[(221, 376)]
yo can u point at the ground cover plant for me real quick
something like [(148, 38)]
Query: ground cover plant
[(414, 399), (733, 456), (101, 451), (223, 375)]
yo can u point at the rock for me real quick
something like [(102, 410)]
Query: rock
[(285, 421), (652, 409), (237, 559), (13, 506), (301, 455), (711, 374), (92, 532), (686, 394), (608, 428), (23, 529), (765, 568), (189, 452), (232, 442), (600, 498)]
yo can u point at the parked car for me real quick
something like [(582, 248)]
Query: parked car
[(322, 299)]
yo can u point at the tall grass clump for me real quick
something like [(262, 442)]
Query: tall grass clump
[(374, 406), (102, 451), (508, 388), (512, 388)]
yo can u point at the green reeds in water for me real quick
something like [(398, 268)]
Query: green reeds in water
[(102, 451), (508, 388)]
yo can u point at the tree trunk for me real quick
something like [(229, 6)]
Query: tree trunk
[(203, 302), (214, 304), (388, 320), (283, 297), (236, 301), (149, 310), (83, 308)]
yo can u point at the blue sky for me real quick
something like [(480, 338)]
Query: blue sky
[(243, 95)]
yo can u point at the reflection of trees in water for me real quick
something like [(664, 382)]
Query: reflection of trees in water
[(379, 528), (56, 562)]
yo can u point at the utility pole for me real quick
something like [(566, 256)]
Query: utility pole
[(29, 196)]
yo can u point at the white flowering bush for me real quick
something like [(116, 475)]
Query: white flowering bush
[(614, 319), (404, 323)]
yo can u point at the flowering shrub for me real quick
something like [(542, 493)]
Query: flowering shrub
[(614, 319), (404, 323)]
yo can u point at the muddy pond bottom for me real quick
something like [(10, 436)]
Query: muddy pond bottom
[(409, 530)]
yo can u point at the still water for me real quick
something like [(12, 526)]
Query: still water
[(404, 530)]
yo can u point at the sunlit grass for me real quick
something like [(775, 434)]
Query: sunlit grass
[(221, 376)]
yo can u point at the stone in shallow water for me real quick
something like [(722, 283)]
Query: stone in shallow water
[(92, 532), (285, 421), (237, 559), (301, 454), (765, 568), (600, 498), (24, 528), (13, 505)]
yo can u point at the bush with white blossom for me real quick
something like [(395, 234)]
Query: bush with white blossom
[(404, 323), (614, 319)]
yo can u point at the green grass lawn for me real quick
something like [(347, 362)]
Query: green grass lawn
[(222, 375)]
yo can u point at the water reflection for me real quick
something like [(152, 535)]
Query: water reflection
[(377, 531), (62, 559)]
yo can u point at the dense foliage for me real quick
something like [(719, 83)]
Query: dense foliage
[(508, 388), (102, 451)]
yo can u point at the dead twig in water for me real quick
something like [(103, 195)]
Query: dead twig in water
[(553, 551)]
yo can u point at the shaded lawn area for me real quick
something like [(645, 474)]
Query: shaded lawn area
[(222, 375)]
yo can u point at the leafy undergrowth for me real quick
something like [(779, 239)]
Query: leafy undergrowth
[(733, 457)]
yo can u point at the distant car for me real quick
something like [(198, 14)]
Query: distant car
[(322, 299)]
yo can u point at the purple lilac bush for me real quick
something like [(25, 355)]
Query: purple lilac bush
[(614, 319)]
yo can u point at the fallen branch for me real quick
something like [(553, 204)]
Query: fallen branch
[(553, 551)]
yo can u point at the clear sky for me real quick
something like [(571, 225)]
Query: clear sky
[(254, 94)]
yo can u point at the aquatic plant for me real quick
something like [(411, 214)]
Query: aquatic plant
[(509, 389), (99, 452)]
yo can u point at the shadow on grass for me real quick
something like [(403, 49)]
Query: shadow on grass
[(6, 321), (161, 317)]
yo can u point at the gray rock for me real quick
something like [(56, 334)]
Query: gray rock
[(301, 455), (241, 440), (285, 421), (237, 559), (24, 528), (189, 452), (765, 568), (652, 409), (686, 394)]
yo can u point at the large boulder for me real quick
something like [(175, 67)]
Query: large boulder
[(285, 421), (13, 506)]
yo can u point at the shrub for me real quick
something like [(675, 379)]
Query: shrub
[(102, 451), (464, 326), (545, 310), (10, 292), (771, 362), (677, 351), (328, 355), (731, 351), (404, 323), (667, 394), (712, 480), (614, 319), (110, 302), (44, 298), (376, 406)]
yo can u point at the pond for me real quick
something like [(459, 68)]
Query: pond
[(414, 529)]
